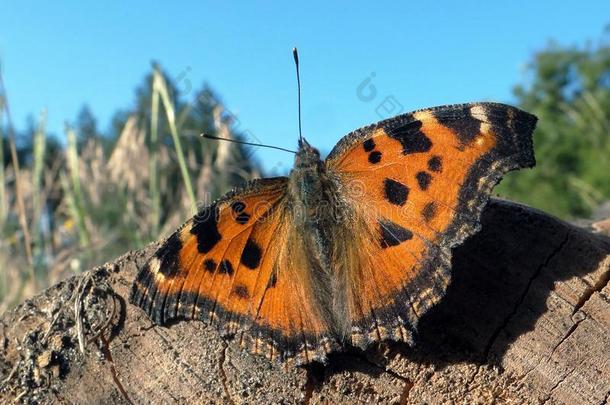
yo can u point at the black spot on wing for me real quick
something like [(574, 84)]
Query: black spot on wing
[(375, 157), (393, 234), (423, 180), (238, 206), (410, 136), (205, 229), (251, 255), (209, 265), (369, 145), (242, 218), (429, 211), (241, 291), (168, 255), (226, 268), (435, 164), (395, 192), (239, 214), (460, 121)]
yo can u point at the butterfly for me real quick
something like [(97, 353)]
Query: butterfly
[(346, 251)]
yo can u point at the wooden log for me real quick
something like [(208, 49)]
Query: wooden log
[(525, 319)]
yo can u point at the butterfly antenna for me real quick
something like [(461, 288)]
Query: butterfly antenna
[(218, 138), (296, 62)]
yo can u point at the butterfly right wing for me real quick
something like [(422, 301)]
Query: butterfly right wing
[(239, 264), (415, 186)]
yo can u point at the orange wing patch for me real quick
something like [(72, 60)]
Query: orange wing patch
[(227, 266), (418, 183)]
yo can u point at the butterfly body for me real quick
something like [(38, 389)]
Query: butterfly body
[(353, 249), (324, 222), (315, 203)]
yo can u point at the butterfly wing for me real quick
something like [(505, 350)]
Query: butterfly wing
[(238, 265), (416, 185)]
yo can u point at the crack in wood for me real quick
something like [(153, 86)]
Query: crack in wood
[(383, 369), (115, 377), (557, 384), (223, 373), (526, 291), (567, 334), (589, 291)]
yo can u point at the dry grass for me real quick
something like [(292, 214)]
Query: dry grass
[(62, 214)]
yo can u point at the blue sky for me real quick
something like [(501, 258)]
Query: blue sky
[(416, 54)]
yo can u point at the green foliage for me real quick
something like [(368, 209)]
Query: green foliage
[(569, 91)]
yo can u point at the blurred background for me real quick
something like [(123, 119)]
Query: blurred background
[(101, 107)]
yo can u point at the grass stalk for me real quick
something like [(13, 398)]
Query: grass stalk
[(154, 150), (161, 87), (72, 206), (74, 187), (38, 165), (18, 191), (39, 146)]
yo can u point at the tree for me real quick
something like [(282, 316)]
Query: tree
[(569, 91), (86, 126)]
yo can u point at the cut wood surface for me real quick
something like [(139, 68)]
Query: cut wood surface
[(526, 319)]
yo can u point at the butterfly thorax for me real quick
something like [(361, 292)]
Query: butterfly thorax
[(306, 181), (313, 190)]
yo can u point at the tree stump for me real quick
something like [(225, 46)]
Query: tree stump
[(525, 319)]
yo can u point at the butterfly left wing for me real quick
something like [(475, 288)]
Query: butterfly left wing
[(415, 186), (238, 265)]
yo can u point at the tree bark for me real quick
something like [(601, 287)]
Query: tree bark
[(525, 319)]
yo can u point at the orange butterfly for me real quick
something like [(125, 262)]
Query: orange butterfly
[(352, 249)]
